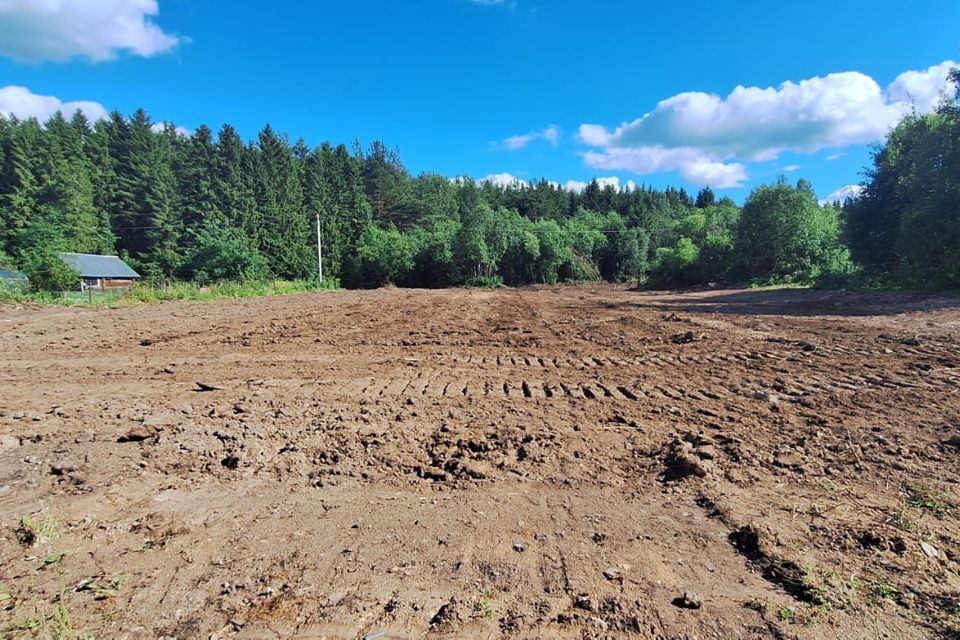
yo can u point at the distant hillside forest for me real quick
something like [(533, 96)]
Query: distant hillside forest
[(204, 208)]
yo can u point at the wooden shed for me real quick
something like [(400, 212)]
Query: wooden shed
[(100, 272)]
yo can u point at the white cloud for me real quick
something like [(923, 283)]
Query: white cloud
[(510, 180), (502, 180), (182, 131), (707, 138), (841, 194), (791, 167), (613, 181), (835, 156), (35, 30), (22, 103), (551, 134), (923, 89), (514, 143), (694, 165)]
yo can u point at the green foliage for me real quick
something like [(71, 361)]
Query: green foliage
[(433, 255), (382, 257), (37, 246), (220, 253), (784, 235), (484, 282), (215, 208), (904, 228), (674, 263)]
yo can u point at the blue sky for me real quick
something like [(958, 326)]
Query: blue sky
[(556, 89)]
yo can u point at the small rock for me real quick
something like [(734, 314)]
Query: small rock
[(766, 397), (689, 600), (611, 573), (582, 601), (953, 441), (789, 461), (519, 547), (63, 467), (706, 452), (138, 433), (680, 465), (929, 550), (599, 623), (9, 442)]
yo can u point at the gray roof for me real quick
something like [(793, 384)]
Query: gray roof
[(92, 266), (6, 274)]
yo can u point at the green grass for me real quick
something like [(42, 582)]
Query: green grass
[(39, 529), (928, 499), (483, 608), (146, 293), (483, 282), (883, 589)]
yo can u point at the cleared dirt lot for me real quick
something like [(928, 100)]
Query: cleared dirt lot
[(556, 462)]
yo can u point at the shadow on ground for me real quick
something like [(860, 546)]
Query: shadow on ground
[(794, 302)]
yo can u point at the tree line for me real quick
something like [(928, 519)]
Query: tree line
[(211, 208)]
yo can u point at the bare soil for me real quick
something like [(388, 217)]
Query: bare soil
[(558, 462)]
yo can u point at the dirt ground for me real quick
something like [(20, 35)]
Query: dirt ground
[(558, 462)]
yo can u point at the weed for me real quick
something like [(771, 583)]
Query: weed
[(145, 293), (883, 589), (61, 617), (903, 521), (854, 585), (54, 558), (928, 500), (102, 587), (483, 608), (483, 282), (39, 529), (787, 614), (157, 543)]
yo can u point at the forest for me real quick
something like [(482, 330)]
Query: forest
[(212, 208)]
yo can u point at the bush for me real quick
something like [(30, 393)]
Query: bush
[(382, 257), (484, 282), (221, 253)]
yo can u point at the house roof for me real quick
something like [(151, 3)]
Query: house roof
[(93, 266), (6, 274)]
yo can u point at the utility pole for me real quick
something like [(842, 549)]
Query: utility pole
[(319, 249)]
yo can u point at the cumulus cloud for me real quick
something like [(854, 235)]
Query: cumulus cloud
[(694, 165), (514, 143), (181, 131), (502, 180), (36, 30), (708, 138), (614, 181), (22, 103), (841, 194), (923, 89), (510, 180)]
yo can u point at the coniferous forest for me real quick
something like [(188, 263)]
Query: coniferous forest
[(211, 207)]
